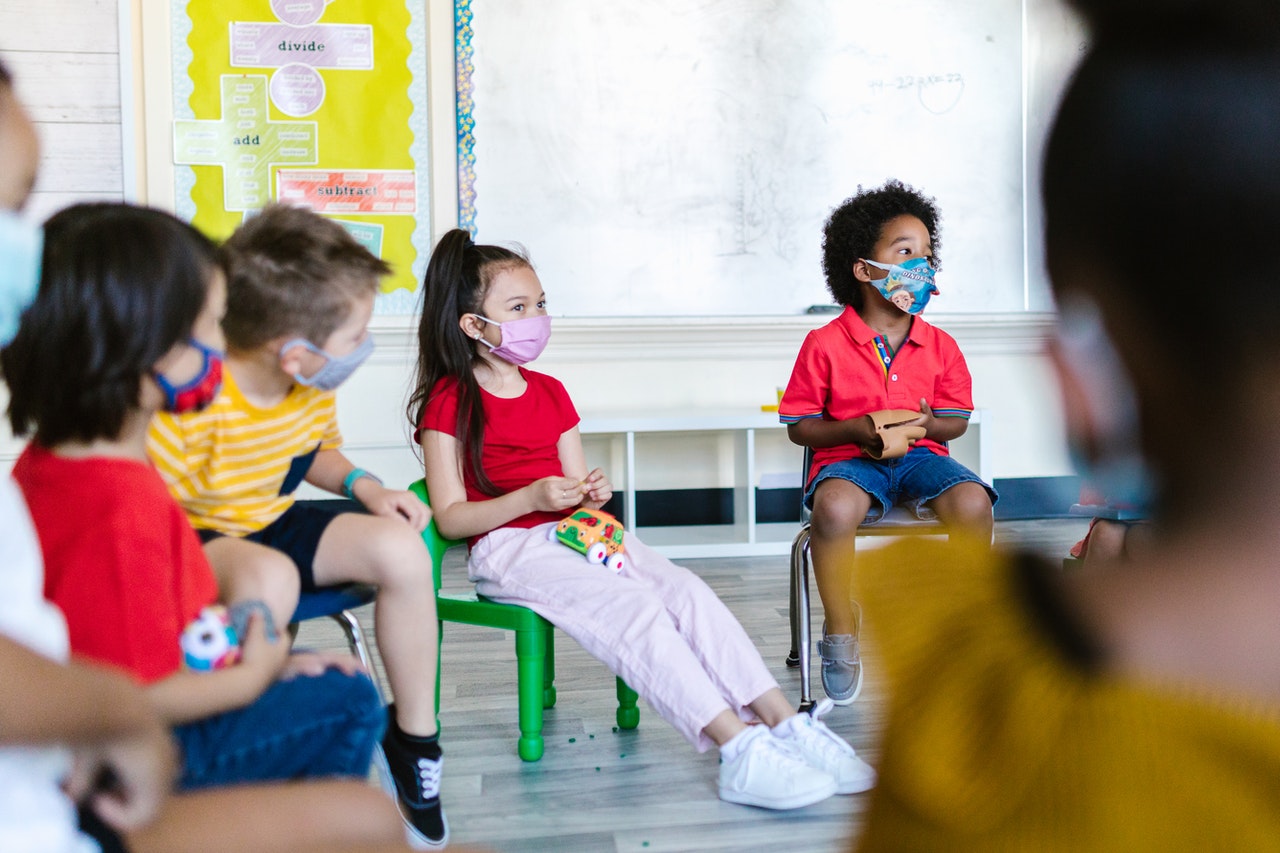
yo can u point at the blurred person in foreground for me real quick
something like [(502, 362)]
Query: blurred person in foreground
[(1138, 709)]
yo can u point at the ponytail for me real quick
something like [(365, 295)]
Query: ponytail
[(457, 279)]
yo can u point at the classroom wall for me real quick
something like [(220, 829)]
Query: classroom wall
[(66, 53), (65, 56)]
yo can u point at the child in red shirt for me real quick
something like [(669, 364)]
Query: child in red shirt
[(126, 319), (504, 463), (879, 255)]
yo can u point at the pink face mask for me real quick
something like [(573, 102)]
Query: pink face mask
[(522, 340)]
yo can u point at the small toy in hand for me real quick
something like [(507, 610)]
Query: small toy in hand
[(210, 641), (895, 435), (596, 534)]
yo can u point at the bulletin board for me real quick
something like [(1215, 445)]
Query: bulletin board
[(667, 158), (321, 103)]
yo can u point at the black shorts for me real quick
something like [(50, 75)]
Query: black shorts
[(296, 534)]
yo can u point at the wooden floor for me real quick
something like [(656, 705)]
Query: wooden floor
[(597, 789)]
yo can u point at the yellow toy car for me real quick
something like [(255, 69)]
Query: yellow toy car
[(596, 534)]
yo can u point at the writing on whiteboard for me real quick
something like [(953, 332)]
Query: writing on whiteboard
[(937, 93)]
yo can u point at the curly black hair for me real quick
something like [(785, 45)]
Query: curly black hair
[(853, 229)]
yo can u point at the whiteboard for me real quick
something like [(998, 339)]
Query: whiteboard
[(678, 158)]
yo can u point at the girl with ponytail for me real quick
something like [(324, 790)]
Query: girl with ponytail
[(504, 465)]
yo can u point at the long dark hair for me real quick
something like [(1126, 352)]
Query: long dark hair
[(457, 279), (120, 286)]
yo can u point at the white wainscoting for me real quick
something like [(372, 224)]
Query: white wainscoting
[(708, 365), (715, 366)]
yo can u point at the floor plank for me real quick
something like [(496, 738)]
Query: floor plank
[(597, 789)]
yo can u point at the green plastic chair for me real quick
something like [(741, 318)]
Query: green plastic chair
[(535, 648)]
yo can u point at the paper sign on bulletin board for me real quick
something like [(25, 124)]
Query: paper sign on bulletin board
[(320, 103)]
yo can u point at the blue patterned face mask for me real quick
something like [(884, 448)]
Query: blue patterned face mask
[(21, 244), (908, 285)]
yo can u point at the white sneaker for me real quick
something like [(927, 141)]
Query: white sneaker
[(770, 774), (827, 751)]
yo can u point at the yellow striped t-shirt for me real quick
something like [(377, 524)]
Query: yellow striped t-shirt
[(234, 466)]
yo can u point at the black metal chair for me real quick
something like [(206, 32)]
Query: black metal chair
[(898, 521), (337, 602)]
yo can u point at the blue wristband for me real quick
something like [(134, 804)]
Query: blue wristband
[(349, 482)]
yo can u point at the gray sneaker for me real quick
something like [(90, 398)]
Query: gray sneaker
[(841, 667)]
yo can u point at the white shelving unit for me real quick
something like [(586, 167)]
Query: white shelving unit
[(744, 537)]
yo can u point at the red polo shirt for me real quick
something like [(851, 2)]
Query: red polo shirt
[(845, 370)]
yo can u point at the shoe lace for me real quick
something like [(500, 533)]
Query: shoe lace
[(777, 753), (430, 773), (828, 741)]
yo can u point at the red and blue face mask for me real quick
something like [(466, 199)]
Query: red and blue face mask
[(199, 391)]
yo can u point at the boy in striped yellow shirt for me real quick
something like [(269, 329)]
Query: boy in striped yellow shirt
[(300, 294)]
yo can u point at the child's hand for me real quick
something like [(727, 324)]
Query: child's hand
[(392, 503), (926, 419), (864, 434), (599, 489), (556, 494), (315, 663), (259, 656), (125, 780)]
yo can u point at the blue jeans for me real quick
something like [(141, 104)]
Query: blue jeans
[(912, 480), (325, 725)]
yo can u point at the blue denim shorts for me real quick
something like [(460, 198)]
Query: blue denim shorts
[(912, 480), (305, 727)]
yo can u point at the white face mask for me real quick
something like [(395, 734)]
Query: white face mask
[(21, 246), (1115, 467)]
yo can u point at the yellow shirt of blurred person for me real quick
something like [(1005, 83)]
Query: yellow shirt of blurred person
[(1005, 731)]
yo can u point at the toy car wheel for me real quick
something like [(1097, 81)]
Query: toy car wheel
[(597, 552), (616, 562)]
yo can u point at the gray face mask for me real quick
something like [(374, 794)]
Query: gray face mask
[(336, 368)]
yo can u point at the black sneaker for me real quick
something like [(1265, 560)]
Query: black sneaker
[(415, 779)]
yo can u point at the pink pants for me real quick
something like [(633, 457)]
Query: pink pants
[(657, 625)]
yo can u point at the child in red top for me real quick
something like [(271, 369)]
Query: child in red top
[(126, 319), (879, 255), (504, 463)]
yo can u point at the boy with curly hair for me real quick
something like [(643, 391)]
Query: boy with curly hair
[(879, 255)]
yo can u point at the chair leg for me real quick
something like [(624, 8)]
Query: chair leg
[(355, 640), (549, 670), (531, 650), (628, 714), (802, 539), (800, 621), (439, 653)]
